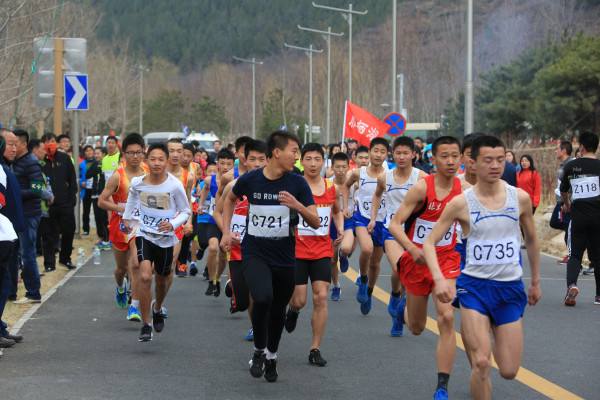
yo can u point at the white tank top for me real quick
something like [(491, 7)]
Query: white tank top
[(394, 193), (364, 194), (494, 241)]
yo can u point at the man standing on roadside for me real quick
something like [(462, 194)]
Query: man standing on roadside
[(560, 220)]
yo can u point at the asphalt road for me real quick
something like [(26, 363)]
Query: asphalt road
[(79, 346)]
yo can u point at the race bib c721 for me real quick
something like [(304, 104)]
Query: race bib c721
[(423, 229), (268, 221), (324, 223), (493, 252), (584, 188)]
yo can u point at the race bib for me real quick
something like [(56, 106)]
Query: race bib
[(238, 225), (268, 221), (423, 229), (493, 252), (211, 206), (155, 208), (89, 183), (584, 188), (324, 223)]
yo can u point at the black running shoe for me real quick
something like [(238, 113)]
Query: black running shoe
[(158, 320), (314, 358), (291, 317), (271, 370), (200, 253), (228, 289), (210, 289), (217, 290), (145, 334), (257, 364), (205, 273)]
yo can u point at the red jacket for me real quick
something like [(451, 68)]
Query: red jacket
[(531, 182)]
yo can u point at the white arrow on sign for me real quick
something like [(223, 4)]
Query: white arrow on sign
[(80, 92)]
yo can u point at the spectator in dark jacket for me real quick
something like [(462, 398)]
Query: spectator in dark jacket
[(510, 174), (60, 171), (86, 187), (95, 180), (29, 174)]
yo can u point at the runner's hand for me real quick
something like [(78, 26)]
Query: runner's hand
[(165, 226), (286, 199), (127, 229), (347, 214), (187, 229), (339, 239), (534, 295), (417, 254), (226, 241), (371, 226), (236, 239), (443, 291)]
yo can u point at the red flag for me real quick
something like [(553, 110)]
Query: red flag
[(361, 125)]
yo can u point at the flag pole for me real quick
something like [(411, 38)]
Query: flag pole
[(344, 128)]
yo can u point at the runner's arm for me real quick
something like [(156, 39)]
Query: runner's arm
[(338, 217), (532, 244), (182, 205), (133, 201), (376, 202), (350, 180), (228, 205), (104, 200), (414, 197), (218, 213), (204, 194)]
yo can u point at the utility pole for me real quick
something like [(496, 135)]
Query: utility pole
[(141, 117), (309, 52), (58, 85), (401, 96), (347, 14), (469, 83), (327, 36), (254, 64), (394, 50)]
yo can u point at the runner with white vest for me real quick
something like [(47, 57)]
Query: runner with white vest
[(489, 291), (391, 189)]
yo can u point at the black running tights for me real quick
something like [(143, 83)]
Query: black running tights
[(584, 234), (271, 288)]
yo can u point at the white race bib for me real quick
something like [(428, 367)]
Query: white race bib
[(238, 225), (89, 183), (324, 223), (268, 221), (493, 252), (584, 188), (423, 229), (211, 206)]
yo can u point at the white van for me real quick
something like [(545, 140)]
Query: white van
[(162, 137), (204, 139)]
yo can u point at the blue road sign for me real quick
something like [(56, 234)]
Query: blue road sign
[(397, 123), (76, 91)]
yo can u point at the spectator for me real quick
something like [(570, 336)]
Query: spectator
[(37, 149), (10, 208), (333, 149), (86, 187), (559, 219), (530, 180), (511, 158), (110, 162), (510, 174), (95, 185), (28, 171), (61, 174), (64, 143)]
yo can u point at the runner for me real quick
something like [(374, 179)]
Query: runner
[(314, 250), (371, 244), (255, 157), (113, 198), (390, 192), (276, 196), (490, 292), (421, 208), (175, 147), (339, 166), (216, 261), (111, 160), (163, 206), (581, 181), (204, 218)]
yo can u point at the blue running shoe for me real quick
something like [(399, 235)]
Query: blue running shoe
[(121, 297), (344, 264), (365, 307), (133, 314), (397, 328), (357, 281), (440, 394), (336, 293), (362, 294), (249, 336), (401, 307), (393, 306)]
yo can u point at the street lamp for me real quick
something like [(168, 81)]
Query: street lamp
[(141, 122), (327, 36), (469, 83), (309, 52), (254, 64)]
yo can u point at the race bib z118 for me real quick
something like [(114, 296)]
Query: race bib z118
[(268, 221)]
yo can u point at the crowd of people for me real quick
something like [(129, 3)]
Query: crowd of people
[(450, 217)]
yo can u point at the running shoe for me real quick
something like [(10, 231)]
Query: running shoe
[(344, 264), (133, 314), (249, 336), (564, 260), (572, 293), (105, 245), (597, 300), (291, 318), (271, 370), (145, 333), (158, 320), (210, 290), (336, 293), (205, 273), (121, 297), (440, 394), (393, 306), (365, 307), (181, 270), (193, 269), (362, 293), (228, 289), (257, 364), (397, 327), (588, 271), (314, 358), (217, 290), (164, 312)]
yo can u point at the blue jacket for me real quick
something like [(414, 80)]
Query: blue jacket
[(510, 174), (13, 209)]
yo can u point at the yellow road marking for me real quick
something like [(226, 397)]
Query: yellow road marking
[(525, 376)]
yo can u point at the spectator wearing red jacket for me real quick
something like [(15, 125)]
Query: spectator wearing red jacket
[(530, 180)]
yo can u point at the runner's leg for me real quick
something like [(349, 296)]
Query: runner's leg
[(415, 313), (476, 335), (320, 312), (508, 348)]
